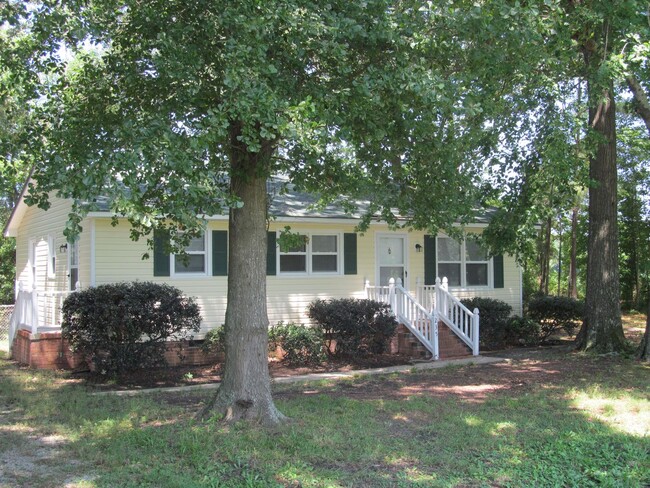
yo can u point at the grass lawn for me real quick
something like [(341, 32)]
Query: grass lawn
[(545, 418)]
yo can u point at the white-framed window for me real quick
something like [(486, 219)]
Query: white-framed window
[(319, 254), (196, 260), (32, 260), (464, 264), (51, 257)]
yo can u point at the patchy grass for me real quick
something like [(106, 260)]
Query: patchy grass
[(551, 419)]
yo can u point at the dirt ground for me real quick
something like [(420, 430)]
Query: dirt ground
[(196, 375)]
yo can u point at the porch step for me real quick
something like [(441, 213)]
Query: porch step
[(450, 346)]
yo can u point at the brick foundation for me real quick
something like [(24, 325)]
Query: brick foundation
[(44, 351), (49, 351), (449, 344)]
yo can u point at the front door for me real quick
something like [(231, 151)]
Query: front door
[(391, 259)]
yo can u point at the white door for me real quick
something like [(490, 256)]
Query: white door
[(391, 259)]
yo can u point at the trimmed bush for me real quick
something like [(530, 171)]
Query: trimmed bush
[(522, 331), (124, 326), (357, 326), (556, 313), (493, 320), (214, 340), (301, 344)]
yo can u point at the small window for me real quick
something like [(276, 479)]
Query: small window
[(294, 260), (73, 264), (318, 255), (449, 262), (195, 260), (51, 257), (476, 264), (324, 254), (462, 263)]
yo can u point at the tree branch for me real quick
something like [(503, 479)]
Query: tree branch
[(642, 104)]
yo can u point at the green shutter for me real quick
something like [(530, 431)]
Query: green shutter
[(350, 253), (430, 271), (219, 253), (498, 271), (161, 260), (270, 254)]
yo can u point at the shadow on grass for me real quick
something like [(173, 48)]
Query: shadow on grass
[(516, 424)]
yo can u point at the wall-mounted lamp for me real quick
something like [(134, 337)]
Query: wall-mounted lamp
[(418, 248), (63, 248)]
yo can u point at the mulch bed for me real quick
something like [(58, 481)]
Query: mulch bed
[(196, 375)]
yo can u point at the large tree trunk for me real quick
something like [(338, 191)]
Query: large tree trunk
[(245, 391), (602, 330), (643, 352), (573, 264)]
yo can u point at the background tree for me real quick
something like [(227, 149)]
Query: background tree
[(15, 153)]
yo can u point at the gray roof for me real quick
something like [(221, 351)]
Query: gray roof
[(286, 201)]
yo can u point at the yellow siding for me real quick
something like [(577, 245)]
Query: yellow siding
[(38, 226), (117, 258)]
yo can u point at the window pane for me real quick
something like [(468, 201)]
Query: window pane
[(299, 248), (474, 252), (391, 251), (324, 263), (388, 272), (451, 272), (197, 244), (448, 249), (194, 263), (477, 274), (74, 253), (293, 263), (323, 243)]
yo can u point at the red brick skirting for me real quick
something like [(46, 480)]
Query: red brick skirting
[(44, 351), (49, 351)]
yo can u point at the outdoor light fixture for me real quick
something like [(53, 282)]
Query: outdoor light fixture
[(418, 248), (63, 248)]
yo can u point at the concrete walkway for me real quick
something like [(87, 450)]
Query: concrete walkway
[(322, 376)]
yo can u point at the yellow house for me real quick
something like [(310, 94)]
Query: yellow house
[(334, 262)]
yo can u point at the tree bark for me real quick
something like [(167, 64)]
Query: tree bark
[(545, 257), (573, 264), (643, 353), (245, 391), (602, 329)]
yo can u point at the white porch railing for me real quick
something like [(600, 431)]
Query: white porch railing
[(421, 315), (458, 317), (420, 322), (34, 309)]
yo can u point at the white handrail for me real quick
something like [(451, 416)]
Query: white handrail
[(34, 309), (420, 322), (458, 317)]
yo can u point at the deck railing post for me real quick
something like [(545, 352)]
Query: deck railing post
[(391, 294), (367, 288), (399, 297), (35, 316), (475, 332)]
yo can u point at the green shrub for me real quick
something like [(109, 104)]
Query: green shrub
[(301, 344), (522, 331), (357, 326), (493, 320), (554, 314), (124, 326), (214, 340)]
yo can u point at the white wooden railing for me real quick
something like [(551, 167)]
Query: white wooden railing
[(460, 319), (420, 322), (35, 308), (421, 314)]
